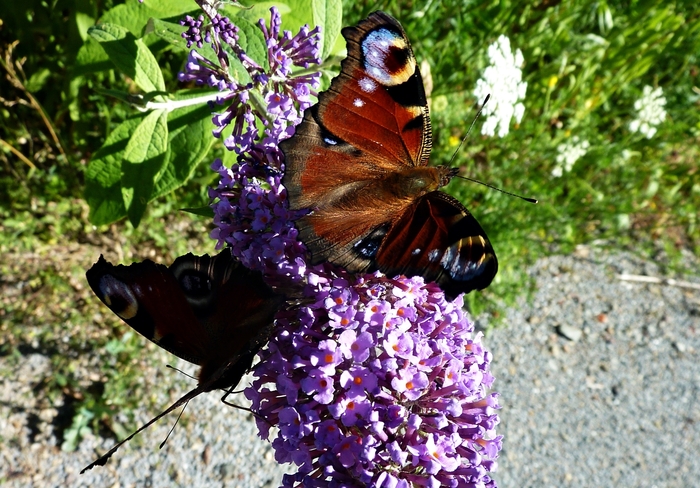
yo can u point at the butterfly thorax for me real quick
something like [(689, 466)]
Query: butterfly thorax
[(416, 181)]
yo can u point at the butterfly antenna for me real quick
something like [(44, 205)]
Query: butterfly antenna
[(180, 371), (173, 427), (454, 155), (527, 199)]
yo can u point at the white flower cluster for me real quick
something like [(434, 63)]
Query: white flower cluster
[(502, 79), (650, 112), (569, 153)]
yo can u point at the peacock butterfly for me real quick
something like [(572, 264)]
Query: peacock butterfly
[(359, 161), (210, 311)]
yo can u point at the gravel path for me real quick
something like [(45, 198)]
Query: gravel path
[(615, 406)]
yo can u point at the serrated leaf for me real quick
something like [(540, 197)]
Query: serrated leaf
[(103, 175), (144, 158), (131, 56), (327, 14)]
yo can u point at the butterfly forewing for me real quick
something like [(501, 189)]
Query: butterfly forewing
[(207, 310), (148, 297), (381, 81), (371, 121)]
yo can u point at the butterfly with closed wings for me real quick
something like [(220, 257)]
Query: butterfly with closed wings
[(210, 311), (359, 162)]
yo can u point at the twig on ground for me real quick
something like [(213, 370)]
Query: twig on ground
[(660, 281)]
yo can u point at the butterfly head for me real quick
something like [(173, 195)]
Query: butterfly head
[(446, 174)]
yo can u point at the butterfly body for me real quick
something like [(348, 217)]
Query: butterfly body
[(359, 162)]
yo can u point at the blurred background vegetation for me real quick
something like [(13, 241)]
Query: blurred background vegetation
[(586, 63)]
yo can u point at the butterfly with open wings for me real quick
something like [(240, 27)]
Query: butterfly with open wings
[(210, 311), (359, 161)]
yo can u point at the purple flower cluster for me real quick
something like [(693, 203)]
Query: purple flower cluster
[(251, 217), (274, 97), (371, 381), (378, 383)]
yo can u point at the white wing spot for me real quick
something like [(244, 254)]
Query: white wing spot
[(367, 85), (416, 251), (358, 103)]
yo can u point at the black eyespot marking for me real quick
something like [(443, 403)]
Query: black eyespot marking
[(367, 247), (118, 297), (196, 284)]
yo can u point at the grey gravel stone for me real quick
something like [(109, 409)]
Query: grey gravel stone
[(618, 408), (569, 332)]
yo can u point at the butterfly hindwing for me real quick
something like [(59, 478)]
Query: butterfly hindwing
[(439, 239)]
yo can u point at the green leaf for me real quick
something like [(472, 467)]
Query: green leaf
[(124, 96), (261, 10), (298, 14), (77, 430), (103, 176), (130, 55), (168, 31), (190, 141), (132, 16), (38, 79), (327, 14), (143, 161), (172, 8), (251, 39), (205, 211), (91, 58)]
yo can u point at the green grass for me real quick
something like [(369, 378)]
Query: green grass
[(585, 64)]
